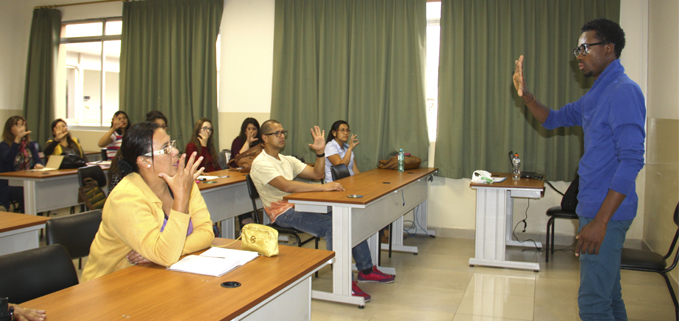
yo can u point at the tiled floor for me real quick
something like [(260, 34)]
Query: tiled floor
[(438, 284)]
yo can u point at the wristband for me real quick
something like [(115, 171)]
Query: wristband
[(321, 155), (531, 99)]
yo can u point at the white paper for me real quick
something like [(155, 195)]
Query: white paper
[(498, 179), (214, 262), (207, 178)]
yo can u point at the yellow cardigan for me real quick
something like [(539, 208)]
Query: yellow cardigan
[(131, 220), (58, 151)]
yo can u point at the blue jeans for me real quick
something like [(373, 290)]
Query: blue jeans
[(600, 294), (319, 224)]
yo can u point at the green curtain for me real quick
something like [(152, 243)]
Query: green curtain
[(360, 61), (41, 70), (168, 62), (480, 116)]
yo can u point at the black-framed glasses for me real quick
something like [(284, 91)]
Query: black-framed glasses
[(168, 149), (584, 48), (278, 133)]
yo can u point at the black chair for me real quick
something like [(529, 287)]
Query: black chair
[(104, 154), (339, 171), (74, 232), (554, 213), (252, 191), (649, 261), (33, 273), (94, 172)]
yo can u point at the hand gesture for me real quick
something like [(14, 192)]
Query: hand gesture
[(28, 314), (60, 135), (182, 182), (333, 186), (590, 238), (117, 124), (251, 136), (519, 81), (353, 142), (319, 140), (21, 131), (38, 166), (203, 140), (135, 258)]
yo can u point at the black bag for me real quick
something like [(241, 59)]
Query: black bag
[(72, 161), (570, 198), (90, 194)]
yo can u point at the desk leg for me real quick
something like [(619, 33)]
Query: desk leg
[(228, 228), (30, 198), (510, 228), (397, 239), (420, 215), (341, 271)]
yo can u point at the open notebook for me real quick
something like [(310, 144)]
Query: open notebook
[(215, 261), (52, 164)]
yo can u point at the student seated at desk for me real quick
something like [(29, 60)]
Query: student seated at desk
[(17, 153), (62, 141), (203, 144), (249, 137), (156, 212), (274, 174), (114, 136), (339, 149)]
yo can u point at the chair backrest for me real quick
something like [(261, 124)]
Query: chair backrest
[(104, 154), (339, 171), (33, 273), (252, 192), (223, 158), (74, 232), (94, 172)]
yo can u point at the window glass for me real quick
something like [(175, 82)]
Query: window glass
[(82, 30)]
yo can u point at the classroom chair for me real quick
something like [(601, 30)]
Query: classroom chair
[(74, 232)]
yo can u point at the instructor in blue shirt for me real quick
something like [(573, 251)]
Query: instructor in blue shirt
[(612, 115)]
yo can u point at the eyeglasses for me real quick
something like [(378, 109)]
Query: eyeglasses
[(207, 129), (348, 131), (168, 149), (278, 133), (584, 48)]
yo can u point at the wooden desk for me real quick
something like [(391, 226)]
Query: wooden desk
[(495, 219), (387, 196), (46, 190), (19, 232), (226, 198), (275, 288)]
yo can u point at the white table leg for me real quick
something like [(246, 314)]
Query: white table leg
[(30, 200)]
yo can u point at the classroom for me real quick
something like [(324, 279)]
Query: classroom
[(438, 283)]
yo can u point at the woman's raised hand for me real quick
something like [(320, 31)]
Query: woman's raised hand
[(182, 182)]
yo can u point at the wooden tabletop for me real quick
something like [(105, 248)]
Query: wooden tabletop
[(151, 292), (510, 183), (15, 221), (234, 177), (45, 174), (371, 184)]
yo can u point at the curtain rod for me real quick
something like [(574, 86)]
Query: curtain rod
[(77, 4)]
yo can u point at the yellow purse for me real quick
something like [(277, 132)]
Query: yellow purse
[(259, 238)]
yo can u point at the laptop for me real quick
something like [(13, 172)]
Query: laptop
[(52, 164)]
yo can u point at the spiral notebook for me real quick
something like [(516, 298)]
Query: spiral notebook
[(215, 261)]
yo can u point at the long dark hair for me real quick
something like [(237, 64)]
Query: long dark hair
[(210, 142), (335, 127), (7, 135), (137, 141), (155, 114), (243, 136), (128, 121), (69, 140)]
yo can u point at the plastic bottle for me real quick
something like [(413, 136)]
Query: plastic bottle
[(516, 167), (401, 160)]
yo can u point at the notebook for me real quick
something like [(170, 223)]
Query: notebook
[(52, 164), (215, 261)]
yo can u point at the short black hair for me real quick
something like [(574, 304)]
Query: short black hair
[(156, 114), (609, 31)]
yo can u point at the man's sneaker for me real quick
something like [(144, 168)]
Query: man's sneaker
[(375, 276), (356, 291)]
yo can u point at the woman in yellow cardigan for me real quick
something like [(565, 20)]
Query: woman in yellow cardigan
[(155, 212), (62, 141)]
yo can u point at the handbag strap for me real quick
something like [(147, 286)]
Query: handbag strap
[(239, 237)]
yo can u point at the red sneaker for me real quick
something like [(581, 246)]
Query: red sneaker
[(375, 276), (356, 291)]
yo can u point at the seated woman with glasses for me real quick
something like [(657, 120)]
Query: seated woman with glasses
[(156, 212), (62, 141), (202, 143), (114, 136), (157, 117), (339, 149)]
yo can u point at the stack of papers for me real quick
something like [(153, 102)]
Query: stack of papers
[(215, 261)]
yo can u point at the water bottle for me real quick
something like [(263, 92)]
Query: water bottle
[(516, 167), (401, 160)]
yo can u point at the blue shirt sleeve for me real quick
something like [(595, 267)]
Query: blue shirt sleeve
[(568, 116), (627, 118)]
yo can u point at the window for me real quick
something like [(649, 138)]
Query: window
[(432, 77), (88, 71)]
